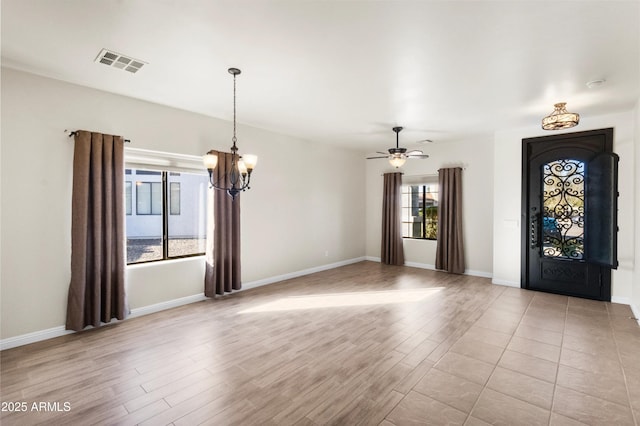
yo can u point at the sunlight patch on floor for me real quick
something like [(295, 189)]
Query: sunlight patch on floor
[(335, 300)]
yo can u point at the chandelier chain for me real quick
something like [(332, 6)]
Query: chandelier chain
[(234, 112), (236, 173)]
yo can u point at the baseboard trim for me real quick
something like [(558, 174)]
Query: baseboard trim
[(634, 308), (50, 333), (481, 274), (150, 309), (37, 336), (621, 300), (296, 274), (627, 301), (431, 267), (505, 283), (420, 265)]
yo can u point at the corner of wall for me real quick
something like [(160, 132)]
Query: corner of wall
[(635, 281)]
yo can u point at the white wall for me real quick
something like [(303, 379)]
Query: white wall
[(306, 199), (507, 199), (477, 192)]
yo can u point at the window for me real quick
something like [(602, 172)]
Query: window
[(169, 220), (149, 198), (174, 199), (420, 211), (563, 221)]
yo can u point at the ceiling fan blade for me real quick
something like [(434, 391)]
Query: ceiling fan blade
[(419, 156), (383, 153), (415, 152), (373, 158)]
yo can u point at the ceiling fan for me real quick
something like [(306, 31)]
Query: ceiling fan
[(397, 156)]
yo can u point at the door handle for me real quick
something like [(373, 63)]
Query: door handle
[(534, 230)]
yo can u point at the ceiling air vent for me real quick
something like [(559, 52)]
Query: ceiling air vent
[(116, 60)]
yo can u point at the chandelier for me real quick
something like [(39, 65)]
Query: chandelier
[(237, 179), (560, 118)]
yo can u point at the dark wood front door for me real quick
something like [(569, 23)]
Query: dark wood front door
[(569, 213)]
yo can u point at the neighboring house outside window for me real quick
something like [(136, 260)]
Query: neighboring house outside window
[(128, 198), (148, 198), (174, 198), (420, 211), (169, 218)]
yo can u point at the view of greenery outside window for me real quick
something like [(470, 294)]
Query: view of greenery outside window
[(563, 194), (169, 220), (420, 211)]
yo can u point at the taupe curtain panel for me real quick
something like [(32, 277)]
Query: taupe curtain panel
[(450, 249), (97, 290), (392, 251), (222, 272)]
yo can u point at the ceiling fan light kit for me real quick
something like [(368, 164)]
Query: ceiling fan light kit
[(398, 160), (398, 156), (560, 118)]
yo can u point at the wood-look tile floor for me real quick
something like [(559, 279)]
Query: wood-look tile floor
[(362, 344)]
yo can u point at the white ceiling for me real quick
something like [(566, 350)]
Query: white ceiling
[(344, 72)]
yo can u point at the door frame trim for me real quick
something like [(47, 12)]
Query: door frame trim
[(524, 208)]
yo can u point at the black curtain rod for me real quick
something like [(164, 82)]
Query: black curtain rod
[(72, 133)]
